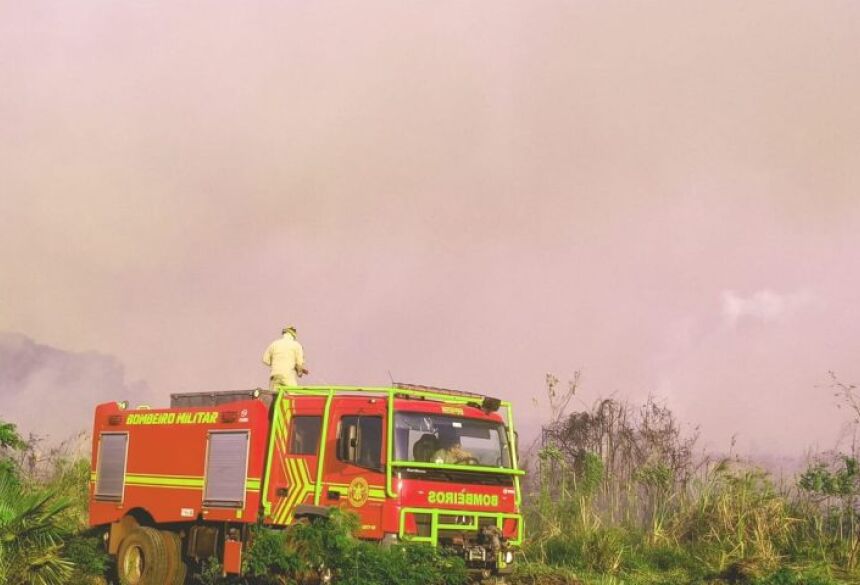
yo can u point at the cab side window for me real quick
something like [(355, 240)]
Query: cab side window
[(359, 441), (306, 435)]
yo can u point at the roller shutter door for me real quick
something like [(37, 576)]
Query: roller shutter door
[(226, 469), (110, 475)]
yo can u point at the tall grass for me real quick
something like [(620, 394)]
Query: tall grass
[(617, 495)]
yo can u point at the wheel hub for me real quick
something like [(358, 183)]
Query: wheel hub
[(133, 564)]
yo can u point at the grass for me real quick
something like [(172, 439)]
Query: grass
[(617, 498)]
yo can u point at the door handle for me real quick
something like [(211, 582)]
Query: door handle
[(333, 495)]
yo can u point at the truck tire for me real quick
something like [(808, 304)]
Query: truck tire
[(177, 570), (142, 558)]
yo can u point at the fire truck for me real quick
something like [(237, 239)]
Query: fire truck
[(176, 486)]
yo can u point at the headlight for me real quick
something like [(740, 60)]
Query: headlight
[(509, 556)]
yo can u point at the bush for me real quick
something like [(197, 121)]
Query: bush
[(31, 537), (789, 576), (210, 573), (667, 558), (540, 574), (268, 554), (86, 552), (599, 550), (408, 564), (279, 556)]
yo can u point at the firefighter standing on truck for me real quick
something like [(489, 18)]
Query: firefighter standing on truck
[(286, 358)]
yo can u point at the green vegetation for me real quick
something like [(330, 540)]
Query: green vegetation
[(43, 538), (616, 495), (30, 536), (355, 562), (284, 557)]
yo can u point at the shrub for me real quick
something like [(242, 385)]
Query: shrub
[(268, 554), (409, 564), (790, 576), (541, 574), (210, 573), (301, 550), (30, 537), (735, 517), (86, 552)]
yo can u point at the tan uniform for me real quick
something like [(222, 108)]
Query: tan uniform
[(286, 358), (451, 456)]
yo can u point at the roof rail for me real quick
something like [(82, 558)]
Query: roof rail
[(398, 390)]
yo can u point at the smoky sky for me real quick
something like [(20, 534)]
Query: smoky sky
[(663, 195), (51, 392)]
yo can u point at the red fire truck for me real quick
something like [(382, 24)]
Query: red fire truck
[(179, 485)]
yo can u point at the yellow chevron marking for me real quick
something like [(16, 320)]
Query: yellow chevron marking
[(279, 430), (282, 461), (286, 417), (294, 490), (298, 490), (280, 427), (294, 468), (301, 486)]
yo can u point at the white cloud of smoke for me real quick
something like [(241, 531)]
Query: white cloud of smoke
[(465, 195), (763, 305), (52, 392)]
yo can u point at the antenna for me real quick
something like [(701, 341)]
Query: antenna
[(391, 378)]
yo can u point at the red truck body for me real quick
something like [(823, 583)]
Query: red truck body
[(215, 463)]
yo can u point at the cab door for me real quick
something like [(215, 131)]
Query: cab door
[(355, 466), (298, 424)]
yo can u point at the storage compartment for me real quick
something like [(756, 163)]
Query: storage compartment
[(226, 469), (110, 475), (197, 399)]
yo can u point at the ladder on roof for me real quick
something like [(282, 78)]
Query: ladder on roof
[(435, 390), (418, 391)]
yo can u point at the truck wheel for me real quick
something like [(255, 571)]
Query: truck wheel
[(177, 570), (142, 558)]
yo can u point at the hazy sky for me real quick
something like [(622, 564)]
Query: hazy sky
[(664, 195)]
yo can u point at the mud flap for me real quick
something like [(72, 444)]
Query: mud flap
[(232, 557)]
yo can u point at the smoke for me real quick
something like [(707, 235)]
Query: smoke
[(764, 305), (464, 194), (52, 392)]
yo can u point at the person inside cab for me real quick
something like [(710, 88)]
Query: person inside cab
[(450, 451)]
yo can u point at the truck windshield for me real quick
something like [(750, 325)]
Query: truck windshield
[(449, 440)]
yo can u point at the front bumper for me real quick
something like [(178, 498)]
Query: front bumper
[(477, 537)]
